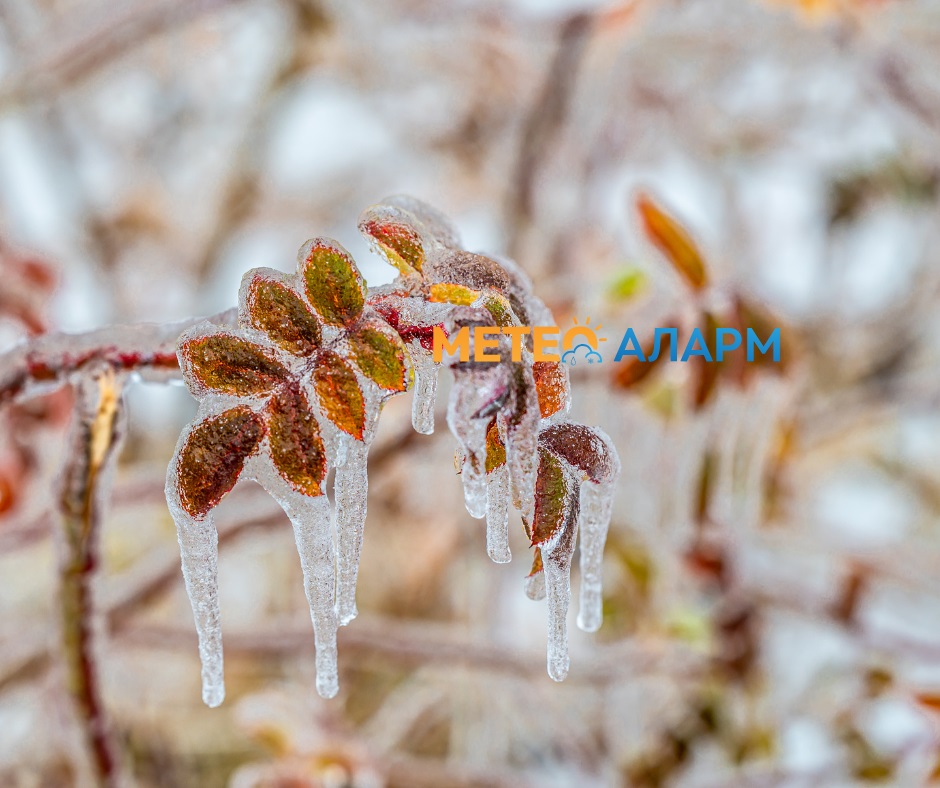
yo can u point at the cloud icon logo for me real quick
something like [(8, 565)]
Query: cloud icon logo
[(571, 357)]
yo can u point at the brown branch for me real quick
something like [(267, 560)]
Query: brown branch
[(91, 454)]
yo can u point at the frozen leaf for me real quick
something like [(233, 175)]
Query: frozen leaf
[(380, 355), (333, 283), (585, 448), (396, 239), (296, 447), (340, 396), (213, 456), (551, 385), (673, 241), (518, 424), (535, 581), (229, 364), (556, 501), (445, 293), (275, 309), (495, 450), (500, 309)]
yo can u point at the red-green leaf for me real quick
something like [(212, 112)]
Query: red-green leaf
[(339, 394), (294, 435), (229, 364), (673, 241), (333, 282), (380, 354), (272, 307), (397, 240), (536, 563), (213, 457), (556, 499)]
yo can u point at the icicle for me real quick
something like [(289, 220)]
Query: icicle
[(199, 548), (557, 562), (311, 518), (597, 502), (535, 586), (519, 430), (350, 488), (425, 389), (497, 515)]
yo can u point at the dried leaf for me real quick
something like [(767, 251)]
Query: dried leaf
[(213, 457), (333, 283), (226, 363), (673, 241), (275, 309), (339, 394), (381, 355), (551, 385)]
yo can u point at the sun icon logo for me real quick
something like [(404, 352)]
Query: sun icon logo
[(582, 338)]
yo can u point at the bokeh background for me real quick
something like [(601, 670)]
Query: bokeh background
[(772, 575)]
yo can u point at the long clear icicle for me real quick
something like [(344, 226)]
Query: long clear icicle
[(199, 548), (597, 502), (557, 562), (311, 518), (425, 389), (497, 515), (351, 489)]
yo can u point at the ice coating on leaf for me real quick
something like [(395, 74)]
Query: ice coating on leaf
[(211, 456), (296, 447), (535, 580), (425, 388), (479, 391), (552, 388), (332, 281), (215, 360), (351, 489), (518, 426), (380, 354), (340, 397), (271, 306)]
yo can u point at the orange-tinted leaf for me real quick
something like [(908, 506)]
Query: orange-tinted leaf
[(277, 310), (673, 241), (339, 394), (380, 354), (495, 449), (229, 364), (398, 241), (536, 563), (296, 447), (332, 281), (449, 293), (551, 385), (556, 499), (213, 457)]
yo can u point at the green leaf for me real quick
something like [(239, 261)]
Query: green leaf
[(380, 354), (333, 283), (397, 240), (272, 307), (213, 456), (229, 364)]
